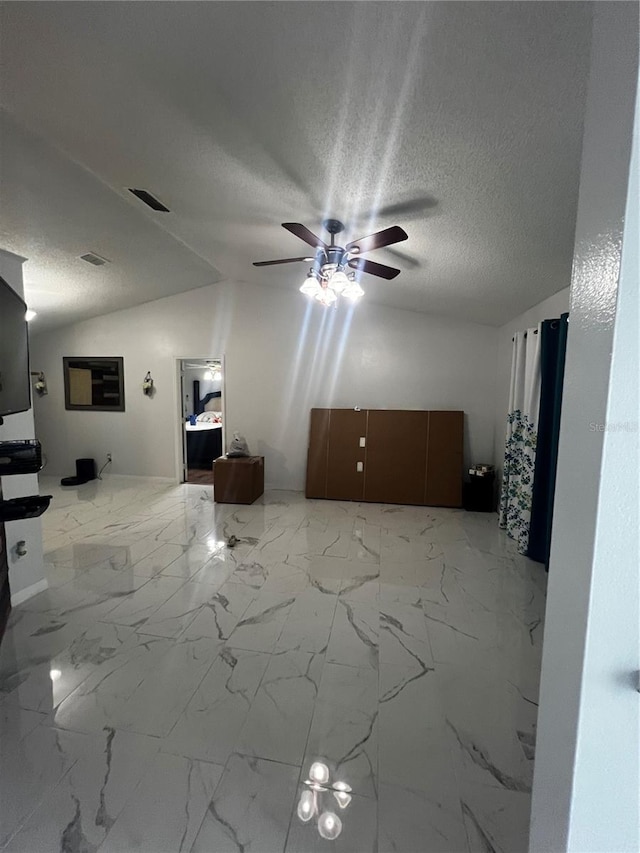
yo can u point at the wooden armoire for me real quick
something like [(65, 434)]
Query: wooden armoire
[(386, 456)]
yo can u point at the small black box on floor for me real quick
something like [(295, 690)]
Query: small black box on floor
[(478, 493), (85, 471)]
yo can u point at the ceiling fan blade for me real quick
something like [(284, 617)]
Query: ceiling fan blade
[(303, 233), (395, 234), (381, 270), (281, 261)]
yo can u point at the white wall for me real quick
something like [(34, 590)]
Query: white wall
[(554, 306), (284, 355), (585, 791), (26, 574), (612, 655)]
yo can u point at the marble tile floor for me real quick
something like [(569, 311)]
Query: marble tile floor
[(168, 693)]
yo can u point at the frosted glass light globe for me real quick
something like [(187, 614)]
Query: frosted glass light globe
[(310, 286), (353, 291), (326, 296), (338, 281)]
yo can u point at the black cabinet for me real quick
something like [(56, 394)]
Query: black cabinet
[(479, 493)]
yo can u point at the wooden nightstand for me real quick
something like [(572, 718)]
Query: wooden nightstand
[(238, 480)]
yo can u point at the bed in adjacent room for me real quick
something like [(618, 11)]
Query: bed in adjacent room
[(204, 440)]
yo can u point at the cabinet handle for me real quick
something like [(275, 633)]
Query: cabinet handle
[(359, 467)]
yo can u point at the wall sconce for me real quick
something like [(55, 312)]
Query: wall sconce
[(40, 384), (147, 385)]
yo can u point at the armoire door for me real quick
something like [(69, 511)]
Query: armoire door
[(395, 466), (444, 459), (316, 486), (345, 456)]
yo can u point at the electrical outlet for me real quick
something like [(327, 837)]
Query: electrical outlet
[(109, 457)]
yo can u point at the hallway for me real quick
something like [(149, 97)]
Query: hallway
[(168, 693)]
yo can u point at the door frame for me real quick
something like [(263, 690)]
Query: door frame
[(180, 436)]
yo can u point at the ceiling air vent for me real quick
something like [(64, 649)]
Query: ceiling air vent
[(92, 258), (149, 200)]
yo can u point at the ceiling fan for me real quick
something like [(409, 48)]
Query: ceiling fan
[(212, 369), (333, 267)]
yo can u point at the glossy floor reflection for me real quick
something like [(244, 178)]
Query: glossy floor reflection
[(167, 693)]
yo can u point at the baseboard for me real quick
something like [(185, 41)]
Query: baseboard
[(28, 592), (106, 477)]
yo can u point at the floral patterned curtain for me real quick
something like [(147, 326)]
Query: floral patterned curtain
[(522, 434)]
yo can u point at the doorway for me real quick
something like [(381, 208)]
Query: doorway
[(201, 403)]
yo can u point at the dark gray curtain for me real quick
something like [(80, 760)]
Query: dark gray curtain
[(553, 349)]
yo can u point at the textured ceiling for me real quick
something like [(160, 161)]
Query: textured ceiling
[(461, 122)]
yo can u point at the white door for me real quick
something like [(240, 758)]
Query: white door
[(183, 416)]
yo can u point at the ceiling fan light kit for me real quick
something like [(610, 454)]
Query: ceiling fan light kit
[(333, 271)]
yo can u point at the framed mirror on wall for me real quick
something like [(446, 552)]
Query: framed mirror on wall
[(93, 384)]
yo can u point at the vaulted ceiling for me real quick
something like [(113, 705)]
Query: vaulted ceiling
[(461, 122)]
